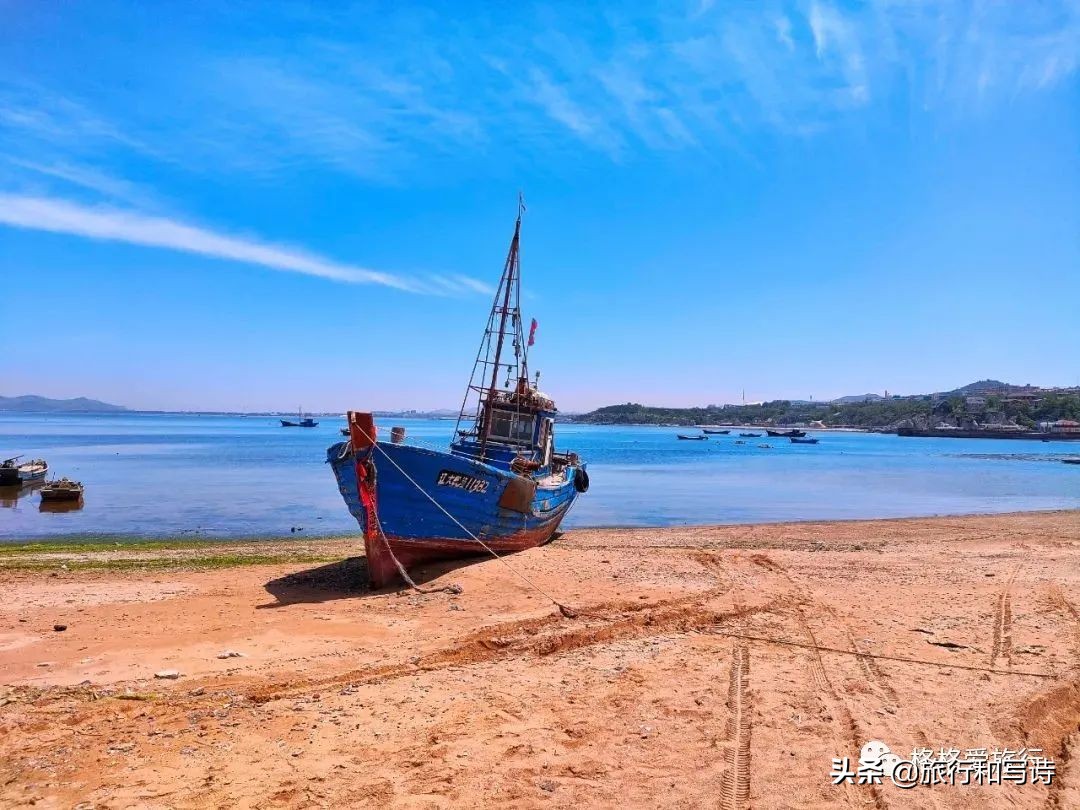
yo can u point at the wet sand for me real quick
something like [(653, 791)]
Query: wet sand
[(707, 666)]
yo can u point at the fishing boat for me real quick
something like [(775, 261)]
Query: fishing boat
[(301, 420), (802, 440), (686, 438), (62, 490), (715, 432), (750, 435), (9, 472), (33, 470), (786, 433), (1070, 461), (500, 487)]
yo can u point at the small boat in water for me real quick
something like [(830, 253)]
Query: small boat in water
[(301, 421), (686, 438), (785, 433), (501, 487), (33, 470), (62, 490), (344, 431), (1070, 461), (750, 435), (9, 472), (802, 440), (715, 432)]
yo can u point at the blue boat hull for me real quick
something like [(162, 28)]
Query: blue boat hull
[(416, 530)]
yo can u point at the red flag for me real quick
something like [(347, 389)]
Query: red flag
[(532, 332)]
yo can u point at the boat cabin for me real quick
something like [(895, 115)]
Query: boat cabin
[(516, 429)]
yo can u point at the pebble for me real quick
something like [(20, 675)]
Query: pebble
[(59, 628), (230, 654), (167, 674)]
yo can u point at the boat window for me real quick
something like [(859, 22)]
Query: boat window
[(546, 442), (512, 426)]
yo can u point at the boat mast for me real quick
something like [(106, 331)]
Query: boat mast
[(504, 321)]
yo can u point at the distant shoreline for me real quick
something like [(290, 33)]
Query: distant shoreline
[(87, 542)]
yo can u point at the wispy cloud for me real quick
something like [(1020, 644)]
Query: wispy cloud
[(91, 179), (109, 224), (29, 111), (339, 93), (836, 37)]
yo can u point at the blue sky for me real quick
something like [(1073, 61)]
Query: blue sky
[(250, 206)]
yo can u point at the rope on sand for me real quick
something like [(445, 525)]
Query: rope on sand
[(880, 656)]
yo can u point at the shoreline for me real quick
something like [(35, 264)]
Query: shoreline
[(95, 541)]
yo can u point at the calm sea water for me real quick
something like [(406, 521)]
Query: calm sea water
[(228, 476)]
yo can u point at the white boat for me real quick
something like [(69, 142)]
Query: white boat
[(33, 470)]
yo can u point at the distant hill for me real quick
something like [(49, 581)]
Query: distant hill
[(867, 410), (35, 404), (858, 398), (982, 387)]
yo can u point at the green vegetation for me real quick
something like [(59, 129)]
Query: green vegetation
[(110, 553), (86, 543), (878, 413), (201, 563)]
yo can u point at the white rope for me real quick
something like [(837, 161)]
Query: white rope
[(566, 611)]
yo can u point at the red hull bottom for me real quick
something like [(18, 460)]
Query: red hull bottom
[(382, 571)]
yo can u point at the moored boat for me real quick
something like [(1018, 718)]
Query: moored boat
[(1070, 460), (301, 421), (687, 438), (802, 440), (750, 435), (62, 490), (501, 487), (34, 470), (715, 432), (785, 433), (9, 472)]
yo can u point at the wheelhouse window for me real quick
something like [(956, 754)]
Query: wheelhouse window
[(511, 426)]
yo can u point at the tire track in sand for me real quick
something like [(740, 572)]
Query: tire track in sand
[(819, 674), (735, 785), (1059, 602), (1068, 755), (1002, 647)]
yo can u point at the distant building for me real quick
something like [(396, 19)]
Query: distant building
[(1063, 426)]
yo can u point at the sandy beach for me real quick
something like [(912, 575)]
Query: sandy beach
[(706, 666)]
